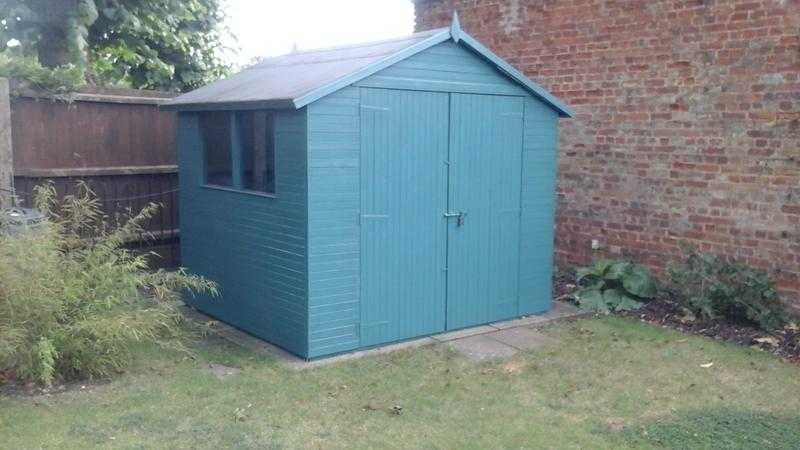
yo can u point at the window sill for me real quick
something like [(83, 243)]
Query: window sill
[(238, 191)]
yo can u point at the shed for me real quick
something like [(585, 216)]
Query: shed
[(349, 197)]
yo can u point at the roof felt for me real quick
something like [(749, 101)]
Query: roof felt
[(283, 78), (297, 79)]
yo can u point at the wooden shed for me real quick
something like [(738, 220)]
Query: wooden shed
[(353, 196)]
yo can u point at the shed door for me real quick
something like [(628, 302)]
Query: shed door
[(484, 186), (404, 140)]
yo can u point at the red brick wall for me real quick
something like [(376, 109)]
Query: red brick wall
[(687, 124)]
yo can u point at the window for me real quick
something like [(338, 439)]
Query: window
[(216, 131), (258, 150), (239, 150)]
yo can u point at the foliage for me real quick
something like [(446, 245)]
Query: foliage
[(150, 44), (60, 28), (157, 44), (613, 285), (72, 306), (62, 80), (715, 287)]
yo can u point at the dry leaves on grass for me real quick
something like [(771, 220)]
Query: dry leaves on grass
[(615, 423), (512, 368)]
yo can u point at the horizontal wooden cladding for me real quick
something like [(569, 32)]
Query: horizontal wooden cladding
[(94, 171), (253, 246), (333, 229), (48, 134), (447, 67)]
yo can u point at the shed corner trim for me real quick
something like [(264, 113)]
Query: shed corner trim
[(538, 91)]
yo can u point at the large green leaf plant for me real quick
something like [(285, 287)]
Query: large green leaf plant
[(613, 285)]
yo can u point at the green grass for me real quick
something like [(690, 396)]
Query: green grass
[(608, 383)]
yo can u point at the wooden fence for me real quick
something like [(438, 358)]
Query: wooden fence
[(116, 141)]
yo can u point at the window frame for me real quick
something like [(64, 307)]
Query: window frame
[(201, 123), (237, 175)]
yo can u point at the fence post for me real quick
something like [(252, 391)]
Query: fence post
[(6, 151)]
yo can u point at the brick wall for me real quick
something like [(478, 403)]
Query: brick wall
[(687, 124)]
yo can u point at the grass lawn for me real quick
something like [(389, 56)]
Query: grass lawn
[(609, 383)]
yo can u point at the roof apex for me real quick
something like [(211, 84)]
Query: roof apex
[(298, 79), (455, 27)]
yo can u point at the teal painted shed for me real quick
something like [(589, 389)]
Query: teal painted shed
[(354, 196)]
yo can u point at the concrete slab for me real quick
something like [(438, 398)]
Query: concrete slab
[(222, 371), (482, 347), (564, 309), (302, 364), (521, 322), (521, 338), (561, 310), (466, 332), (243, 339), (477, 343)]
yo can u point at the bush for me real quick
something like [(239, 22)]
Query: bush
[(613, 285), (60, 82), (715, 287), (73, 306)]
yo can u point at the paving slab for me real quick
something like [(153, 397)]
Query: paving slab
[(301, 364), (560, 310), (563, 309), (473, 342), (482, 348), (521, 322), (222, 371), (466, 332), (243, 339), (521, 338)]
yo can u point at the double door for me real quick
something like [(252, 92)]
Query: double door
[(440, 199)]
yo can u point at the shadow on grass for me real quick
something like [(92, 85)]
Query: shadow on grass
[(717, 429)]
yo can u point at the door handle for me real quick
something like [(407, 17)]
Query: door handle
[(460, 216)]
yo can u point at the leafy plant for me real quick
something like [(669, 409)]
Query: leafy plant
[(151, 44), (715, 287), (613, 285), (156, 44), (74, 300), (61, 81), (59, 28)]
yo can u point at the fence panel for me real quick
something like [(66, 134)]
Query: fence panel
[(117, 141)]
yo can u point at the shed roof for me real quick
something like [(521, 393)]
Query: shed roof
[(297, 79)]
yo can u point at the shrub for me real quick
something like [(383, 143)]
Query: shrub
[(73, 306), (60, 82), (613, 285), (715, 287)]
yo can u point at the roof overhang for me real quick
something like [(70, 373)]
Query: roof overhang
[(453, 32), (229, 106)]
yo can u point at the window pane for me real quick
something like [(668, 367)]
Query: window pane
[(258, 150), (216, 130)]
